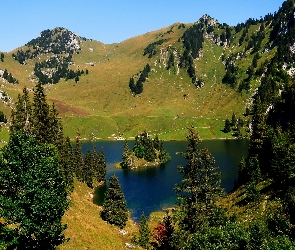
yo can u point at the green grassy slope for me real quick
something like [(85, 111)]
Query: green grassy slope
[(101, 103)]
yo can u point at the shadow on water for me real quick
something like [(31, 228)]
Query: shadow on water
[(152, 189)]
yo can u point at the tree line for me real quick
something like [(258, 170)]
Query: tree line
[(136, 87), (8, 77), (55, 68), (37, 171)]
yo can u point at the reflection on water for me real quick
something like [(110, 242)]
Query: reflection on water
[(151, 189)]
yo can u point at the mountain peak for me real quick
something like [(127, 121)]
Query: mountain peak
[(58, 40)]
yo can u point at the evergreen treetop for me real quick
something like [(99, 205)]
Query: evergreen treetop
[(114, 209)]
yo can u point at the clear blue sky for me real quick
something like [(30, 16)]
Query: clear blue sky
[(112, 21)]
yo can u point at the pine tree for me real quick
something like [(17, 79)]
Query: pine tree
[(150, 154), (55, 126), (200, 187), (114, 209), (143, 239), (125, 155), (33, 195), (138, 147), (163, 154), (40, 116), (66, 162), (21, 115), (282, 157), (242, 171), (156, 143), (233, 120), (88, 172), (227, 126), (101, 166), (258, 136), (78, 159)]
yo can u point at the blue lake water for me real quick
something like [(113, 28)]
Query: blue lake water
[(151, 189)]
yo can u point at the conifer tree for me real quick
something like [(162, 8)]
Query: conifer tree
[(56, 130), (200, 186), (114, 209), (33, 195), (150, 154), (143, 239), (66, 162), (282, 157), (100, 166), (21, 115), (138, 148), (40, 116), (156, 142), (227, 126), (125, 155), (42, 121), (78, 159), (88, 173), (163, 154)]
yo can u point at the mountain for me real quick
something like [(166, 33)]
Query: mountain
[(163, 81)]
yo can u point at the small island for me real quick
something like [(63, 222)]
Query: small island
[(146, 152)]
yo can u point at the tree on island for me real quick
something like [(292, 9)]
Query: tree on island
[(146, 152), (114, 209)]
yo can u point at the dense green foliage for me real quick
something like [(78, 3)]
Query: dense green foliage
[(55, 68), (114, 209), (200, 186), (151, 48), (151, 151), (143, 238), (137, 87), (41, 120), (33, 196), (8, 77), (200, 222), (91, 167)]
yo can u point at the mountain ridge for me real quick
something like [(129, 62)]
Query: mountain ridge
[(200, 73)]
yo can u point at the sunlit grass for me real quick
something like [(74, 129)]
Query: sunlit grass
[(86, 229)]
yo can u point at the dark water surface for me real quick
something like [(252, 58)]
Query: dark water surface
[(151, 189)]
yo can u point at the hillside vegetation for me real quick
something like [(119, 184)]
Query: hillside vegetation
[(89, 81), (215, 79)]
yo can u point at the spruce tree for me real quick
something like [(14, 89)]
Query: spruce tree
[(114, 209), (21, 115), (33, 195), (78, 159), (143, 239), (100, 166), (88, 173), (125, 155), (41, 120), (227, 126), (40, 116), (66, 162), (200, 186), (282, 157)]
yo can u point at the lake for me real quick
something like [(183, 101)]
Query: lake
[(151, 189)]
